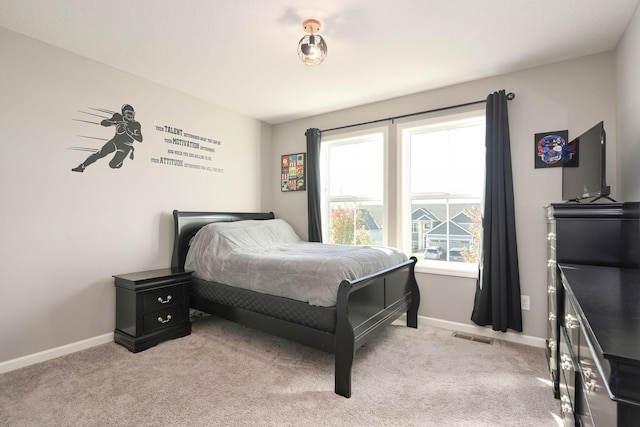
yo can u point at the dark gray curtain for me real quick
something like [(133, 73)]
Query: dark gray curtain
[(497, 299), (313, 184)]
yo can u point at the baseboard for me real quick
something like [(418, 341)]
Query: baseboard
[(32, 359), (484, 332)]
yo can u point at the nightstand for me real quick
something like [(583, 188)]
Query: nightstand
[(151, 307)]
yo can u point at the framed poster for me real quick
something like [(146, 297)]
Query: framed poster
[(292, 172), (553, 149)]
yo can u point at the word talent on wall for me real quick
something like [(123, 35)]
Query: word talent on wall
[(187, 150)]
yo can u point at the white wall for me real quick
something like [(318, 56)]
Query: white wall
[(628, 98), (64, 234), (572, 95)]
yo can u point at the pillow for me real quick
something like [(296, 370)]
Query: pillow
[(253, 233), (214, 240)]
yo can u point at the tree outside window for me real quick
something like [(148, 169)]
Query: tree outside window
[(353, 184), (349, 226)]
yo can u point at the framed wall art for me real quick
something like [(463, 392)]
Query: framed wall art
[(293, 172), (553, 149)]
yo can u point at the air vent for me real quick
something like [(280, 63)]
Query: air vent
[(470, 337)]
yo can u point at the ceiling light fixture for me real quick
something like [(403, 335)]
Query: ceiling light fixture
[(312, 49)]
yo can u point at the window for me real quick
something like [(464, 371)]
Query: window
[(443, 170), (427, 204), (353, 182)]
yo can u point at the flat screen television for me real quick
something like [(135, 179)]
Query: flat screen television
[(584, 175)]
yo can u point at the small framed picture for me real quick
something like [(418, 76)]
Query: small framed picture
[(292, 172), (553, 149)]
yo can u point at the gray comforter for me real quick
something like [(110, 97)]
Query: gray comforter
[(267, 256)]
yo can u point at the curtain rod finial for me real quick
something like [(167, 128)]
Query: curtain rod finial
[(511, 96)]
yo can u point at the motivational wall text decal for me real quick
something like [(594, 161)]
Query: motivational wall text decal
[(187, 150)]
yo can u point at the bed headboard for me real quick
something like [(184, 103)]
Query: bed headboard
[(187, 225)]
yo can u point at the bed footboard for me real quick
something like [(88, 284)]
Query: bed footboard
[(365, 307)]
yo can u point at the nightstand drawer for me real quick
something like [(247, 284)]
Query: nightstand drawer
[(162, 297), (163, 318)]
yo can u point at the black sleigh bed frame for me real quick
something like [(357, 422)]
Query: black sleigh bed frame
[(363, 308)]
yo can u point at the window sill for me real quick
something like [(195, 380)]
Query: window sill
[(447, 268)]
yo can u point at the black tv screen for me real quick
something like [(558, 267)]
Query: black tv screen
[(584, 175)]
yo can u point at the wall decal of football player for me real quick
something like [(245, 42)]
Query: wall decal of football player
[(127, 131)]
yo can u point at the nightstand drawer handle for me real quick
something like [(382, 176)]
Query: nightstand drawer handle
[(161, 301), (164, 321)]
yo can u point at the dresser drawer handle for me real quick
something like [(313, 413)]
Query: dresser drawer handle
[(590, 386), (571, 322), (164, 321), (566, 365), (161, 301)]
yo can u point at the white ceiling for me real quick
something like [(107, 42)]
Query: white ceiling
[(241, 54)]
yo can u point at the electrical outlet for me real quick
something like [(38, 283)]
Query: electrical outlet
[(525, 302)]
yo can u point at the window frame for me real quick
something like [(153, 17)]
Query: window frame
[(326, 199), (396, 176), (405, 198)]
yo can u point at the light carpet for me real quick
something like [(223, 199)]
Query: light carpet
[(224, 374)]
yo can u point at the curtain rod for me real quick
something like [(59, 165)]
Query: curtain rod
[(510, 96)]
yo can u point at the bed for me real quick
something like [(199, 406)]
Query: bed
[(362, 308)]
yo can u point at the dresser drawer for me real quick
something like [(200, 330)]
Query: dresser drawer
[(601, 408), (551, 244), (162, 297), (571, 323), (567, 380), (163, 318), (568, 418)]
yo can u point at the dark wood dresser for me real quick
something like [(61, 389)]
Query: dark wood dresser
[(594, 318), (151, 306)]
